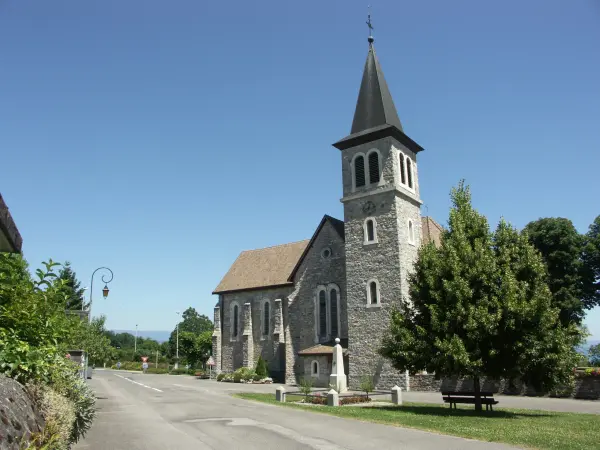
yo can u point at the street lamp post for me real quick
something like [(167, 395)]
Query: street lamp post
[(105, 292), (135, 341), (177, 343)]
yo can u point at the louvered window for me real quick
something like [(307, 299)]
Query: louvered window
[(266, 318), (333, 306), (402, 173), (370, 230), (359, 171), (236, 319), (374, 167), (409, 172)]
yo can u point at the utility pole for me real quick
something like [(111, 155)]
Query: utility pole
[(157, 359), (135, 341), (177, 344)]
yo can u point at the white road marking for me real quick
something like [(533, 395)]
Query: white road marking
[(135, 382)]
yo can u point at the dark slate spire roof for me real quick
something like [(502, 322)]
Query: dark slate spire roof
[(375, 115), (375, 105)]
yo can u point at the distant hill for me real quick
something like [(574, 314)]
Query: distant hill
[(160, 336)]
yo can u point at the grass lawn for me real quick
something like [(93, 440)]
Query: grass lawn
[(521, 427)]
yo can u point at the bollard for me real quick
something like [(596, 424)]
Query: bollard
[(397, 395), (280, 394), (333, 398)]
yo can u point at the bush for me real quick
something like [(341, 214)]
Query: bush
[(317, 399), (157, 371), (220, 377), (58, 413), (354, 399), (306, 385), (181, 371), (243, 374), (367, 385), (261, 369)]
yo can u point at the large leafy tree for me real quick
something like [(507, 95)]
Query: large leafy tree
[(591, 258), (594, 355), (70, 287), (569, 278), (480, 307), (193, 322), (92, 337), (195, 348)]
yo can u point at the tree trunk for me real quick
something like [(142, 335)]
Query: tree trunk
[(477, 390)]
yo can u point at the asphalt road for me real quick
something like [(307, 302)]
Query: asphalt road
[(139, 411)]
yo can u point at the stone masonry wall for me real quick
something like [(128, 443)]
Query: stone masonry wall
[(388, 261), (585, 388), (299, 310), (322, 378), (232, 349)]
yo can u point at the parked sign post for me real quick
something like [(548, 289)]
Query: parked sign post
[(210, 363)]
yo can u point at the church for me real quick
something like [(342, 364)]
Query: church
[(288, 303)]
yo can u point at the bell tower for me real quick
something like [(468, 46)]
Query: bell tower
[(382, 222)]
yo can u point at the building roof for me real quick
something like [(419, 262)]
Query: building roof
[(320, 349), (375, 115), (338, 226), (10, 238), (431, 231), (262, 268)]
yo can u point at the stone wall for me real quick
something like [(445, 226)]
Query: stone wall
[(266, 346), (322, 378), (18, 414), (300, 309), (585, 388)]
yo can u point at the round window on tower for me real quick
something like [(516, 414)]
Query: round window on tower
[(326, 253)]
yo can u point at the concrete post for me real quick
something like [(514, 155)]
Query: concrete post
[(333, 398), (397, 395), (280, 394), (338, 377)]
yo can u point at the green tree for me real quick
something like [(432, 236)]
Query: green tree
[(591, 258), (70, 287), (561, 247), (195, 349), (261, 368), (192, 322), (594, 355), (91, 337), (480, 308)]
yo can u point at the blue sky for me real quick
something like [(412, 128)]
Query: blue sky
[(162, 138)]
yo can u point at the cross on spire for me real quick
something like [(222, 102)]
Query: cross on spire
[(370, 25)]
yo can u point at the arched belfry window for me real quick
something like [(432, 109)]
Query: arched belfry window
[(411, 232), (402, 169), (409, 172), (322, 313), (359, 171), (374, 167), (236, 320)]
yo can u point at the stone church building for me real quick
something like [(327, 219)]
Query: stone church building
[(289, 302)]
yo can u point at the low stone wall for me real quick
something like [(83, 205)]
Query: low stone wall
[(18, 415), (585, 388)]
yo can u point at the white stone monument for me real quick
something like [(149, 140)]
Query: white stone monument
[(337, 379)]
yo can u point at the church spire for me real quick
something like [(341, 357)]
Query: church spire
[(375, 115)]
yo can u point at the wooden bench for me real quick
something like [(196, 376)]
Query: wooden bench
[(454, 397)]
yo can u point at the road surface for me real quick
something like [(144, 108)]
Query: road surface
[(151, 412)]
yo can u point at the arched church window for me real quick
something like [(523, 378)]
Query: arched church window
[(374, 167), (402, 169), (409, 172), (359, 171), (372, 292), (314, 368), (370, 230), (266, 318), (411, 232), (322, 314), (333, 311), (236, 320)]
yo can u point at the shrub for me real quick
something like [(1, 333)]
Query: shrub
[(306, 385), (354, 399), (157, 371), (317, 399), (220, 377), (367, 385), (261, 368), (181, 371), (243, 374), (58, 413)]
